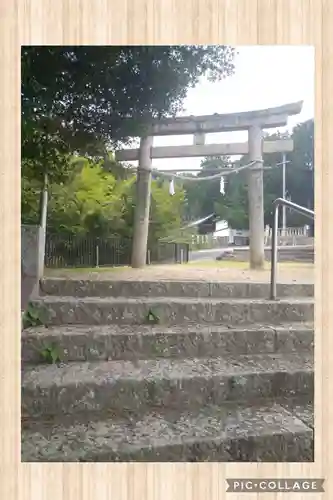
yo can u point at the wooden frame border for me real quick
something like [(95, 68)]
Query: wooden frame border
[(150, 22)]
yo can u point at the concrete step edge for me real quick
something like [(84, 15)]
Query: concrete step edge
[(126, 288), (98, 311), (269, 432), (122, 342), (167, 383), (49, 299)]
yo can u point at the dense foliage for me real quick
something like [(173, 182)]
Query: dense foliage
[(205, 198), (95, 202), (82, 99)]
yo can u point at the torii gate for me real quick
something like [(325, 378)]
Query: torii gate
[(252, 121)]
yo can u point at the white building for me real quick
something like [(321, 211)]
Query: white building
[(235, 236)]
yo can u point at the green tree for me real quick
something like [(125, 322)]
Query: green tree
[(79, 99), (95, 202), (203, 196), (166, 210), (299, 174), (30, 196), (233, 206)]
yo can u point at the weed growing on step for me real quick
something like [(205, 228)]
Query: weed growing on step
[(33, 316), (50, 354), (152, 318)]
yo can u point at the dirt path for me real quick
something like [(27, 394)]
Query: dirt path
[(287, 273)]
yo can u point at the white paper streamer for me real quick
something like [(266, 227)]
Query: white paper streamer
[(222, 185), (171, 187)]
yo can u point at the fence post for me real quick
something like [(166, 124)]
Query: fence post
[(148, 257), (97, 255), (181, 255)]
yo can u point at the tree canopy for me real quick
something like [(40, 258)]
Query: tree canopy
[(80, 100), (78, 103)]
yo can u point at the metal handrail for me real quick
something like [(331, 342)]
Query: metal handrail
[(297, 208)]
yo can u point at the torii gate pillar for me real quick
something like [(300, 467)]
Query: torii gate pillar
[(256, 198), (142, 208)]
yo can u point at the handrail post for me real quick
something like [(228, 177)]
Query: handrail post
[(274, 251), (297, 208)]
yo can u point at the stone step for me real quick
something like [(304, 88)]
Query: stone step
[(122, 310), (115, 342), (101, 288), (268, 433), (285, 254), (175, 384)]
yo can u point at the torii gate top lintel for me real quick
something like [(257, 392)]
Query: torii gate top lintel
[(198, 126), (266, 118)]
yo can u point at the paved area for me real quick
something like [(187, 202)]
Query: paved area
[(224, 271), (213, 253)]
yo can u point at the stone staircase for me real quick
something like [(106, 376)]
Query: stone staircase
[(299, 253), (224, 375)]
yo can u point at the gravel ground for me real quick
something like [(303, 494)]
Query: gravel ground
[(287, 273)]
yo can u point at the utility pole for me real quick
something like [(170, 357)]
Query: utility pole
[(43, 202), (256, 199), (284, 193), (142, 209), (42, 224)]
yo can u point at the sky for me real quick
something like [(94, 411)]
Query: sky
[(265, 76)]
